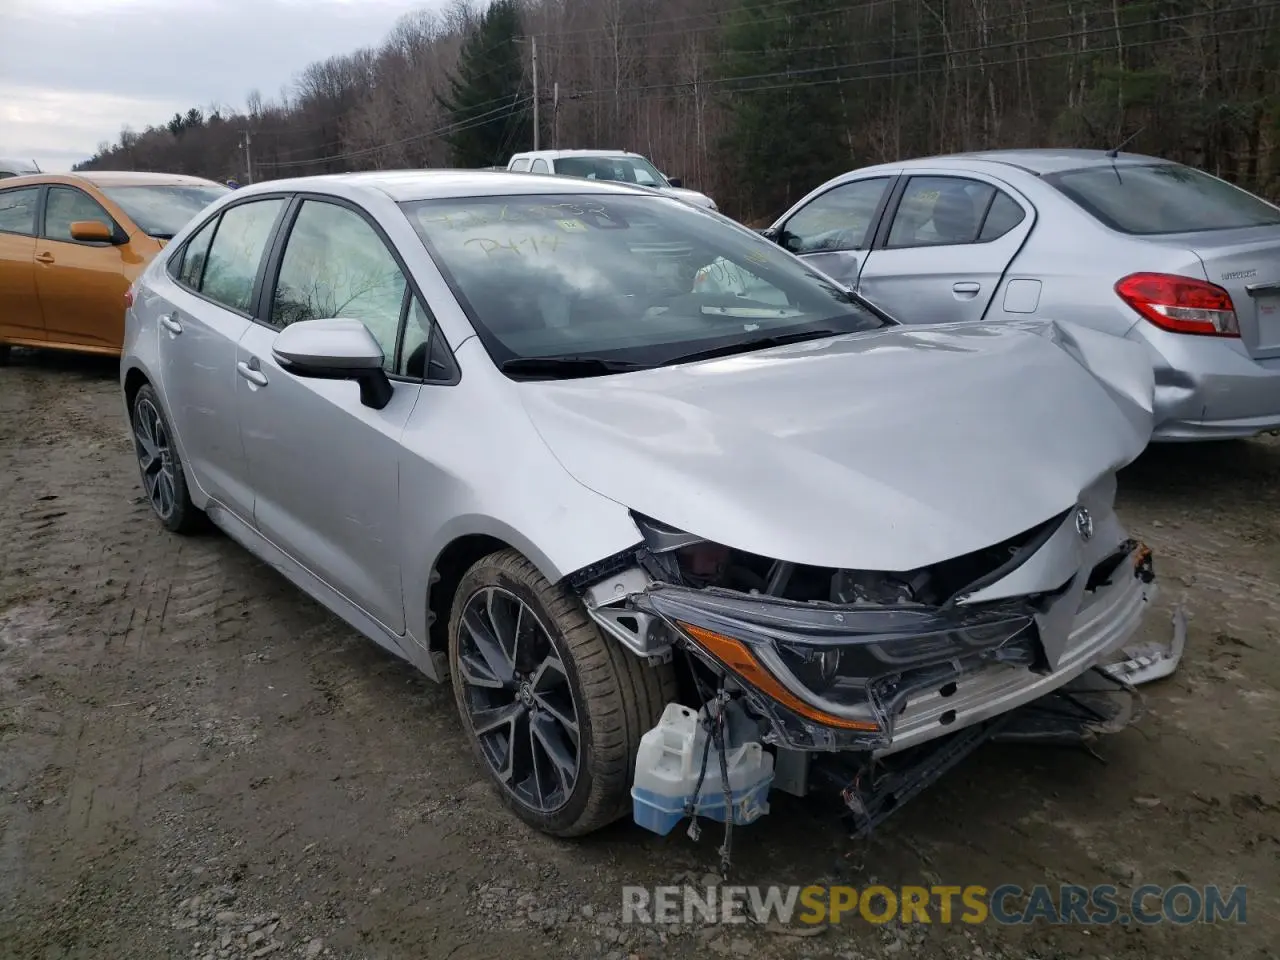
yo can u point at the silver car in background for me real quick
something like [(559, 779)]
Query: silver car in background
[(1169, 257), (10, 167), (512, 429)]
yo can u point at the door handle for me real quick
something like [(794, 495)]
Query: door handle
[(966, 287), (170, 322), (256, 377), (44, 258)]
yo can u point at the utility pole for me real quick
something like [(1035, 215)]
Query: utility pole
[(555, 115), (534, 42), (248, 158)]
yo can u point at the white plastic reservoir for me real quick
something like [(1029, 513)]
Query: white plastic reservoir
[(670, 758)]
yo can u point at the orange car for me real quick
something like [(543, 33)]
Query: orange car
[(71, 244)]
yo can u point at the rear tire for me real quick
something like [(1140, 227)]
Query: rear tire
[(4, 354), (519, 695), (164, 480)]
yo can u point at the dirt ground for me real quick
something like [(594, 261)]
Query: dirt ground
[(197, 761)]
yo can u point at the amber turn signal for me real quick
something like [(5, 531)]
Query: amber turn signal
[(737, 658)]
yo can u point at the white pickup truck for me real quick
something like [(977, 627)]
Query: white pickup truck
[(619, 165)]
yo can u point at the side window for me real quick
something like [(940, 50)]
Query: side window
[(540, 166), (840, 219), (18, 211), (231, 266), (64, 206), (190, 266), (521, 165), (1005, 214), (423, 352), (937, 211), (335, 265)]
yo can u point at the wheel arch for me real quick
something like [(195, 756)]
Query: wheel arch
[(446, 573), (134, 379)]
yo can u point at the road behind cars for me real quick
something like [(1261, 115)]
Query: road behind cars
[(176, 722)]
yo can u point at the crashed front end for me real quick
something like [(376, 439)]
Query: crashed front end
[(861, 667)]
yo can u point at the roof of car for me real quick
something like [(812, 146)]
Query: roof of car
[(129, 178), (1050, 160), (403, 185), (112, 178), (556, 154)]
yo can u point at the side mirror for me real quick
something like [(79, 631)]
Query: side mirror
[(335, 350), (675, 181), (91, 231), (769, 233)]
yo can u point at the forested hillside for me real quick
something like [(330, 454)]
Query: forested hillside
[(756, 101)]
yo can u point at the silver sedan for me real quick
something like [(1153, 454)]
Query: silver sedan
[(599, 456), (1169, 257)]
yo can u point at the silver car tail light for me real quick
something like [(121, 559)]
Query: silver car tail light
[(1181, 304)]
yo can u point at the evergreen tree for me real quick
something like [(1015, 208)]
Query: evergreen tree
[(488, 100), (786, 130)]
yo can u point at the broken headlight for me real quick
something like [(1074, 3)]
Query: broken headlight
[(838, 665)]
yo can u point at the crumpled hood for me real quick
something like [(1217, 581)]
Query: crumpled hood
[(887, 451)]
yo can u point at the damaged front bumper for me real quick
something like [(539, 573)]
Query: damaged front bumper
[(1107, 619), (879, 679)]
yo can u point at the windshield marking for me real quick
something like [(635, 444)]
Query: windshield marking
[(546, 243), (507, 213)]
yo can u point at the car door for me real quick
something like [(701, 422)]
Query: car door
[(20, 317), (207, 294), (82, 283), (833, 229), (945, 246), (324, 466)]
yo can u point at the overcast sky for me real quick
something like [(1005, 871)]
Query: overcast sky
[(73, 72)]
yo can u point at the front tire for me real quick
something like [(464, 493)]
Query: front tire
[(164, 480), (554, 710)]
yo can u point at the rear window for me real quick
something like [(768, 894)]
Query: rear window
[(161, 210), (619, 169), (1162, 198)]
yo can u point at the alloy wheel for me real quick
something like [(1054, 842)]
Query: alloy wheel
[(155, 458), (519, 699)]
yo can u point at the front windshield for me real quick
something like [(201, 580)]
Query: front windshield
[(161, 210), (639, 280), (619, 169)]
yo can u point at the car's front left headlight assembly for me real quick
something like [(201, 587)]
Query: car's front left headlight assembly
[(840, 666)]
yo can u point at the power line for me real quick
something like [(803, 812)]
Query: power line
[(583, 31), (987, 24), (914, 60), (456, 127), (942, 68), (910, 63)]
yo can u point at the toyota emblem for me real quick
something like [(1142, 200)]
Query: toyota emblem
[(1084, 523)]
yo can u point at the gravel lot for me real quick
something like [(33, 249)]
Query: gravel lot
[(197, 761)]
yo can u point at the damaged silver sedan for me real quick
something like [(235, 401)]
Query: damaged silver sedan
[(683, 520)]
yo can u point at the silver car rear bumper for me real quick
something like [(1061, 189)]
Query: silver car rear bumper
[(1175, 431), (1103, 625), (1209, 388)]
